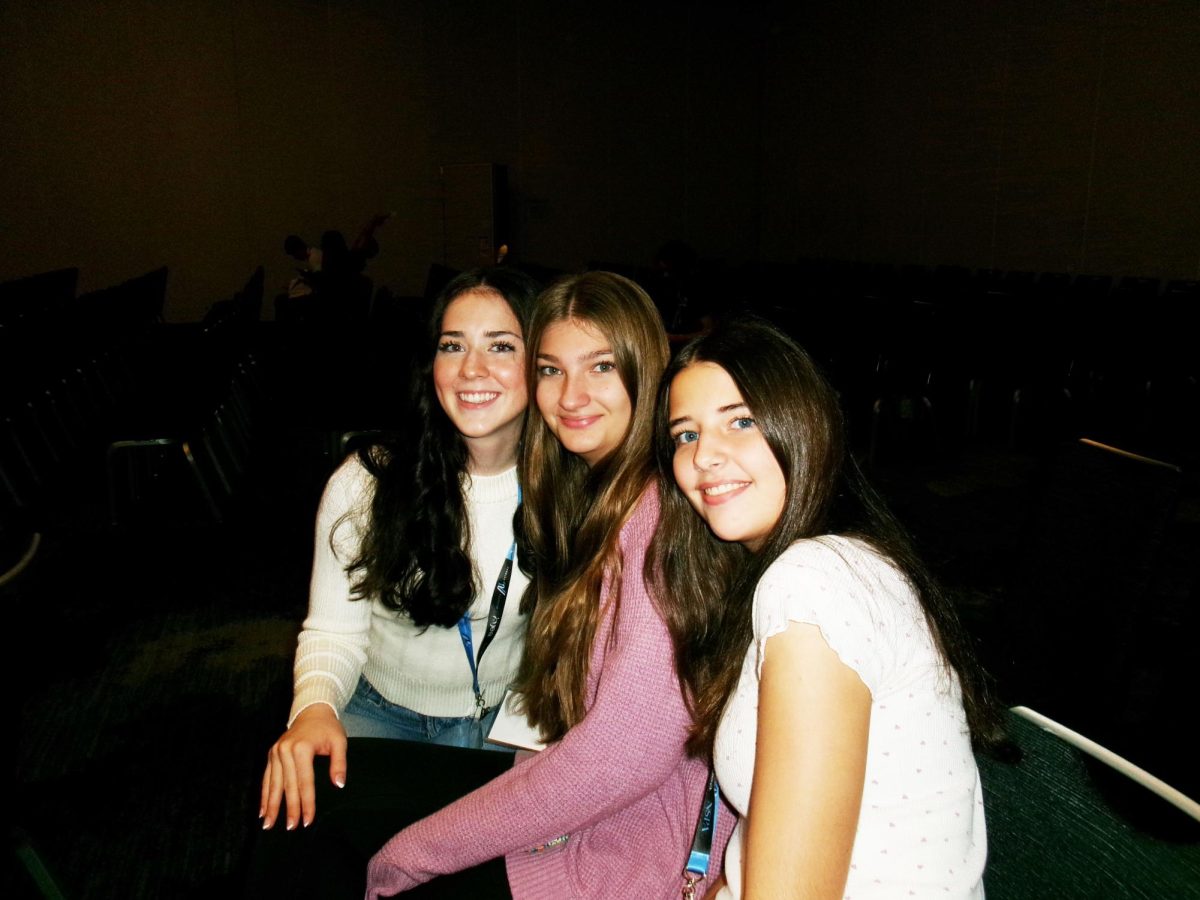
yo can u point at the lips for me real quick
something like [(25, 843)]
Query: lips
[(577, 422), (477, 398), (721, 492)]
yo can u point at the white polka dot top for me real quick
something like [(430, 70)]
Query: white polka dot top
[(920, 829)]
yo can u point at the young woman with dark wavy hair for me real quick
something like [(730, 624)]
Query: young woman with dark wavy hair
[(610, 807), (828, 676), (415, 535)]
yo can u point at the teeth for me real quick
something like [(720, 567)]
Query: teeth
[(482, 397), (724, 488)]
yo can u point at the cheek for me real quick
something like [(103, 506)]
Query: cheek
[(512, 375), (777, 488), (679, 467), (546, 397), (685, 477), (443, 374), (619, 404)]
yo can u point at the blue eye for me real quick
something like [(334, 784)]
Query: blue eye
[(684, 437), (741, 423), (606, 366)]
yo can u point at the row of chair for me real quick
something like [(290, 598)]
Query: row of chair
[(105, 370), (931, 360), (198, 464)]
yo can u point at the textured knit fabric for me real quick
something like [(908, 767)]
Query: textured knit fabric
[(618, 785), (920, 827), (423, 670)]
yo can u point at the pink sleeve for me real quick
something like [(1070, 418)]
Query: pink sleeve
[(630, 741)]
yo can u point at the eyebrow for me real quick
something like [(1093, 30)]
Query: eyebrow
[(593, 355), (489, 334), (728, 407)]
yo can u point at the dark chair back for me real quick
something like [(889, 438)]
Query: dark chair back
[(1078, 609)]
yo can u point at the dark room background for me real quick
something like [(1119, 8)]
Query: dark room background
[(1043, 136)]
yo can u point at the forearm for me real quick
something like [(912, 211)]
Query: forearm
[(326, 670), (332, 646), (627, 746)]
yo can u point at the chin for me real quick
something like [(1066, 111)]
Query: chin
[(579, 449)]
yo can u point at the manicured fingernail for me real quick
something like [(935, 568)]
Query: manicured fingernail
[(266, 824), (307, 822), (340, 781), (291, 824), (261, 812)]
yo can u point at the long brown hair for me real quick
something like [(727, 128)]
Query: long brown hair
[(573, 513), (708, 606)]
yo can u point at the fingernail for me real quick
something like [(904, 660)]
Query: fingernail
[(261, 812), (307, 822), (291, 824), (340, 781), (266, 824)]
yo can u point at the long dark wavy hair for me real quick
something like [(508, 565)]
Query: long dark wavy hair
[(706, 586), (413, 552), (573, 513)]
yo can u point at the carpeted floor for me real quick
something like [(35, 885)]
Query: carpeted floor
[(152, 671)]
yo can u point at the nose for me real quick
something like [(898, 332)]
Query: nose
[(709, 452), (475, 364), (574, 393)]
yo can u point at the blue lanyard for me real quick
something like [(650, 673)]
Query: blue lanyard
[(499, 593), (706, 827)]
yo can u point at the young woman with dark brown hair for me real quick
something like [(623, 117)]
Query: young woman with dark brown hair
[(411, 536), (828, 676)]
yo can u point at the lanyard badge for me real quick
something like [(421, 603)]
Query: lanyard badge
[(706, 827), (499, 593)]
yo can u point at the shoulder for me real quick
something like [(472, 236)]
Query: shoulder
[(843, 586), (830, 560), (351, 478), (349, 490)]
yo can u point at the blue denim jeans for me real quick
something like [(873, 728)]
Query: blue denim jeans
[(370, 714)]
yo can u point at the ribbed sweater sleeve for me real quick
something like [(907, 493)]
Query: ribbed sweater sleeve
[(417, 668), (332, 647), (629, 743)]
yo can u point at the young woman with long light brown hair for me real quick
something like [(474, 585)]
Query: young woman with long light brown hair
[(610, 807)]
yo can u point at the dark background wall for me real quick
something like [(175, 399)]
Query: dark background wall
[(1035, 135)]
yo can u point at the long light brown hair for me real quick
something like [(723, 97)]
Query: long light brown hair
[(573, 513)]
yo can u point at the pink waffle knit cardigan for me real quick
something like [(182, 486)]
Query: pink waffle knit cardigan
[(618, 784)]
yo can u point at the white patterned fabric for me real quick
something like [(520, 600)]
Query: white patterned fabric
[(921, 827)]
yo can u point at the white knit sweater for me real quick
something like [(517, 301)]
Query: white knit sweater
[(424, 670)]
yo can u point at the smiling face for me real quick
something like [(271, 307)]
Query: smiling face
[(579, 391), (479, 375), (722, 462)]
